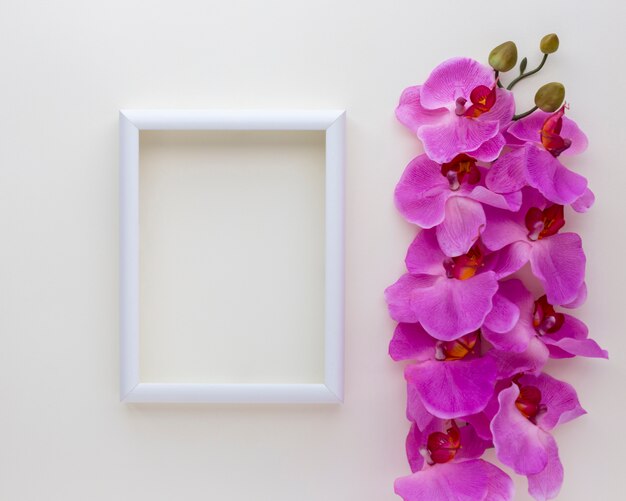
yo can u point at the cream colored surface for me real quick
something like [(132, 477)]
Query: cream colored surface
[(69, 66), (232, 257)]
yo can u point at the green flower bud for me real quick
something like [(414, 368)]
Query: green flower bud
[(549, 44), (522, 65), (550, 97), (503, 57)]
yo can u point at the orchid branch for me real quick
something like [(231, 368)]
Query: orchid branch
[(529, 73), (525, 114)]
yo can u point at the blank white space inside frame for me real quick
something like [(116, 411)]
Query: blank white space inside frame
[(232, 256)]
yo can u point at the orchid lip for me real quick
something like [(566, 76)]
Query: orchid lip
[(466, 265), (544, 223), (461, 169), (447, 351), (550, 134), (442, 447), (529, 402), (546, 320)]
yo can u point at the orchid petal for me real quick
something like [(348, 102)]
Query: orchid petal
[(508, 173), (584, 202), (461, 227), (547, 483), (571, 340), (415, 410), (489, 150), (509, 259), (422, 192), (503, 109), (517, 337), (480, 423), (466, 481), (412, 114), (449, 308), (559, 398), (507, 201), (559, 263), (398, 296), (528, 129), (472, 444), (413, 444), (532, 360), (503, 228), (411, 342), (555, 181), (453, 389), (456, 77), (581, 297), (504, 314), (424, 254), (519, 443), (445, 140)]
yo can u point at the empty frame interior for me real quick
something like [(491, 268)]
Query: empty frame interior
[(231, 256)]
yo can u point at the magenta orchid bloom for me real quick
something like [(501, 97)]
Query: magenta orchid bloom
[(529, 409), (564, 335), (445, 465), (477, 340), (556, 259), (450, 197), (451, 378), (458, 109), (450, 297), (542, 138)]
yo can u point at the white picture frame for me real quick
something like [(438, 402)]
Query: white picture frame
[(131, 122)]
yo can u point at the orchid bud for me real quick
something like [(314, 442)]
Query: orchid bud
[(503, 57), (549, 43), (550, 96)]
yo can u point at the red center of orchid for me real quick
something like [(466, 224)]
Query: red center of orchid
[(482, 97), (444, 446), (464, 266), (551, 134), (544, 223), (545, 318), (461, 168), (459, 348), (529, 402)]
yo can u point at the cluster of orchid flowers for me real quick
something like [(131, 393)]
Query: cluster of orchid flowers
[(489, 193)]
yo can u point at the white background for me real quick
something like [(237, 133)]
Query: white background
[(68, 66)]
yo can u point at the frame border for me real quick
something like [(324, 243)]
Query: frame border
[(133, 121)]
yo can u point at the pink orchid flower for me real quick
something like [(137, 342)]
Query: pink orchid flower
[(538, 140), (564, 335), (529, 409), (445, 465), (451, 378), (556, 259), (458, 109), (450, 197), (450, 297)]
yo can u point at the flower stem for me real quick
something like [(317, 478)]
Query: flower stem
[(525, 114), (527, 74), (498, 80)]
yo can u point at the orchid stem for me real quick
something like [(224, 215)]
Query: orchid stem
[(527, 74), (498, 80), (525, 114)]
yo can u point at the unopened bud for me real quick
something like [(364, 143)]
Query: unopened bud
[(550, 97), (503, 57), (549, 44)]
